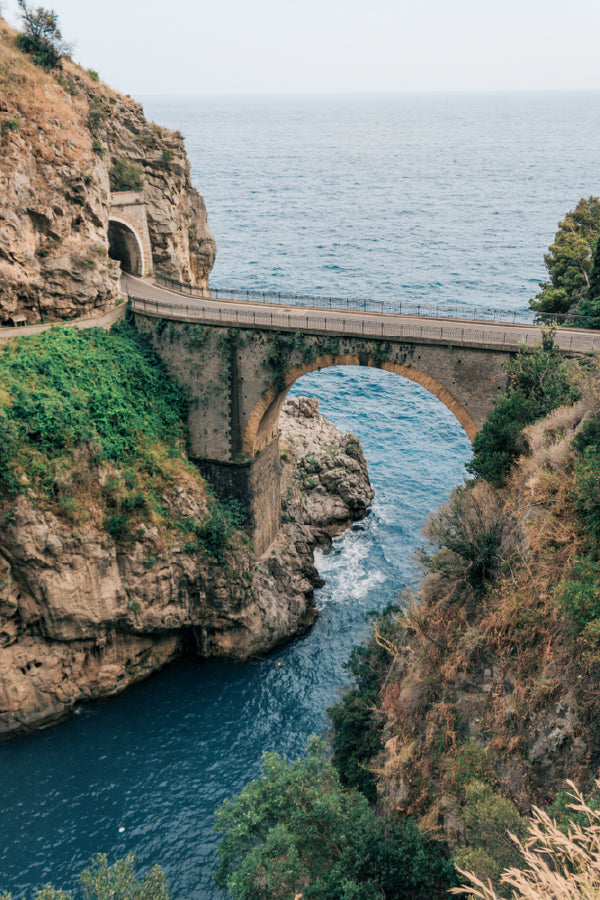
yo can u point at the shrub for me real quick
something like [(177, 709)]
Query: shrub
[(579, 592), (489, 818), (116, 882), (214, 533), (552, 865), (468, 530), (167, 156), (539, 380), (93, 74), (126, 176), (97, 115), (295, 830), (9, 125), (356, 737)]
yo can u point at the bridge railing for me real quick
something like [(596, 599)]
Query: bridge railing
[(357, 326), (390, 307)]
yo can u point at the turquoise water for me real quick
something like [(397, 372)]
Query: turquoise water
[(424, 198)]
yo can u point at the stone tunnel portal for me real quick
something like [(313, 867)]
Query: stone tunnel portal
[(125, 246)]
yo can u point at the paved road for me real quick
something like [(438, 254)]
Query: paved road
[(153, 300)]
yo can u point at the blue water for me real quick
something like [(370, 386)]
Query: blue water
[(421, 198)]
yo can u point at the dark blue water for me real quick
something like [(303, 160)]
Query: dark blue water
[(424, 198)]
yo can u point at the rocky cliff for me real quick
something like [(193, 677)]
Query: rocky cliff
[(82, 617), (492, 685), (66, 142)]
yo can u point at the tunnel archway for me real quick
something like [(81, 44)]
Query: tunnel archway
[(125, 245), (263, 423)]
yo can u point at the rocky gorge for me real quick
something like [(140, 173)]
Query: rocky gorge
[(81, 617)]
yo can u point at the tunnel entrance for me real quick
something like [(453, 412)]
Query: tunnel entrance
[(125, 246)]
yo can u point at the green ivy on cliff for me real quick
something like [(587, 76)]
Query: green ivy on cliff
[(66, 388)]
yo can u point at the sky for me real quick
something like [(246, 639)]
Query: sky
[(329, 46)]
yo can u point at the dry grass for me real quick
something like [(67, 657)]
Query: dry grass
[(493, 671), (51, 121), (555, 866)]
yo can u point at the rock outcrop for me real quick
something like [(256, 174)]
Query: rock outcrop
[(498, 682), (63, 136), (81, 617)]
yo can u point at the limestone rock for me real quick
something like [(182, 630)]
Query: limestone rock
[(61, 135), (81, 618)]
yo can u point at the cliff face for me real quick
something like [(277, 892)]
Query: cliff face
[(500, 685), (62, 136), (82, 618)]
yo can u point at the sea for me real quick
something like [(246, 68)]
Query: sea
[(441, 200)]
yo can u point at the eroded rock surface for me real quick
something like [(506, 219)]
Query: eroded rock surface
[(81, 618), (61, 136)]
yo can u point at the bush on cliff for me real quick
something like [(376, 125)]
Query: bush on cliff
[(92, 427), (553, 864), (41, 37), (295, 830), (356, 736), (66, 388), (539, 380)]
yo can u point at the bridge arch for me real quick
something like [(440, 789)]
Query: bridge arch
[(125, 245), (263, 422)]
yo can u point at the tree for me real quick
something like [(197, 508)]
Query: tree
[(117, 882), (569, 264), (42, 37), (295, 831)]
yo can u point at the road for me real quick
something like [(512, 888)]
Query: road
[(148, 298)]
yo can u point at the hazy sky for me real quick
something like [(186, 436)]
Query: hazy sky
[(276, 46)]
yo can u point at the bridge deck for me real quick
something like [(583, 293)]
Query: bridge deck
[(151, 300)]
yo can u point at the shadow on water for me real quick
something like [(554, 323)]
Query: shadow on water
[(144, 771)]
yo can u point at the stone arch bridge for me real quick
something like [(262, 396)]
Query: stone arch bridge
[(238, 360)]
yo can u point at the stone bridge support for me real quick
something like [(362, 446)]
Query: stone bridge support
[(237, 381)]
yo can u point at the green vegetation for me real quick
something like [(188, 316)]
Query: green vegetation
[(571, 291), (7, 127), (356, 738), (92, 427), (126, 176), (97, 115), (67, 388), (93, 74), (540, 380), (41, 37), (579, 589), (116, 882), (467, 532), (551, 864), (489, 818), (294, 829)]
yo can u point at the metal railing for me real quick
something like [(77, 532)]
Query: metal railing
[(355, 326), (390, 307)]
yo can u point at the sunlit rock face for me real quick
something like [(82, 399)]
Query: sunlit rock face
[(82, 618), (64, 138)]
